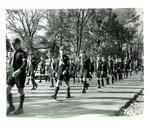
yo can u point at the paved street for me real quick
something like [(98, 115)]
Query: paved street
[(96, 102)]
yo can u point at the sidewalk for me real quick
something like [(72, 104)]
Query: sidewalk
[(106, 101)]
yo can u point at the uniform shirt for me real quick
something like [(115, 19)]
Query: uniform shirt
[(99, 65), (130, 64), (19, 60), (63, 64), (92, 66), (119, 65), (115, 66), (8, 64), (111, 65), (86, 63), (72, 68), (33, 65), (78, 66), (126, 65), (105, 66), (122, 65)]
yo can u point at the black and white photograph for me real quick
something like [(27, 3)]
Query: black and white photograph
[(69, 63)]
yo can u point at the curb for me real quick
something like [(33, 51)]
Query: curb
[(129, 102)]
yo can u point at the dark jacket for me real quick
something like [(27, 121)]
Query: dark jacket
[(19, 60), (86, 64), (72, 68), (104, 67)]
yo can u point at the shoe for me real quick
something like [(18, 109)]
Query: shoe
[(54, 97), (18, 111), (33, 88), (99, 87), (10, 109), (68, 93), (83, 91), (52, 86), (86, 86), (36, 85), (68, 96), (55, 93)]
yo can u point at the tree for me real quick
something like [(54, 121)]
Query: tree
[(129, 19), (96, 28), (76, 30), (67, 27), (24, 23), (116, 29)]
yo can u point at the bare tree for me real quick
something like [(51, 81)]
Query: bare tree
[(24, 23), (74, 33)]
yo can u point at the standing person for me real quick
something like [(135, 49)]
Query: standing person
[(54, 69), (122, 68), (78, 67), (111, 68), (98, 69), (115, 69), (47, 70), (119, 69), (28, 69), (105, 71), (32, 67), (85, 70), (92, 68), (17, 76), (130, 66), (142, 68), (51, 61), (126, 67), (63, 73), (72, 69), (8, 65), (136, 66), (42, 68)]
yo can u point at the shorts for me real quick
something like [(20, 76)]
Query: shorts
[(111, 72), (104, 74), (84, 74), (53, 75), (32, 74), (98, 74), (72, 74), (19, 80), (62, 77)]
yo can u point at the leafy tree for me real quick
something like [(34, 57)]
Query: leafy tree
[(130, 20)]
